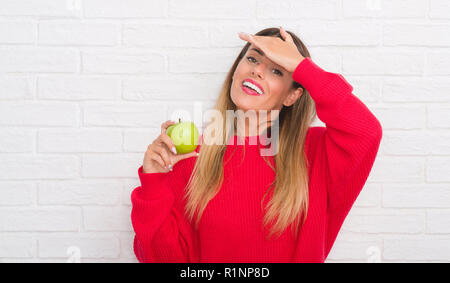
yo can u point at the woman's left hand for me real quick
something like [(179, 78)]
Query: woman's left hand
[(283, 53)]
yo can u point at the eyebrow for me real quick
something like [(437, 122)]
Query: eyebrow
[(257, 50)]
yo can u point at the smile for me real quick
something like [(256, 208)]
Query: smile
[(251, 87), (250, 91)]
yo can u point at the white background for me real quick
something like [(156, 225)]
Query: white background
[(85, 85)]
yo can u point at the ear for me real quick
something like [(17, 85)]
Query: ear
[(293, 96)]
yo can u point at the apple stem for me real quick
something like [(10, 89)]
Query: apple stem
[(179, 120)]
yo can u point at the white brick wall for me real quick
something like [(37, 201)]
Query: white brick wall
[(85, 84)]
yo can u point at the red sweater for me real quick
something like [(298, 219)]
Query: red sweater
[(341, 156)]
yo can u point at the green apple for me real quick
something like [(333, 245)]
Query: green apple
[(184, 135)]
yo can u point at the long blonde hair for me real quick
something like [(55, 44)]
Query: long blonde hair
[(290, 187)]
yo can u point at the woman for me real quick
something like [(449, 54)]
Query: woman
[(222, 204)]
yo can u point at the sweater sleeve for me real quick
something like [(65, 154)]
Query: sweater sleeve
[(162, 233), (350, 140)]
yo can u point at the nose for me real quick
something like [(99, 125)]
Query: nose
[(259, 71)]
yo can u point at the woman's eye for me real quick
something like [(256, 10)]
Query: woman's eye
[(253, 60), (250, 58), (279, 72)]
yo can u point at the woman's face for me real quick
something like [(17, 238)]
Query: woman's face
[(274, 81)]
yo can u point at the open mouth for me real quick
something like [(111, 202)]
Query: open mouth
[(251, 87)]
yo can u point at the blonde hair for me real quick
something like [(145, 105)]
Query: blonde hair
[(290, 187)]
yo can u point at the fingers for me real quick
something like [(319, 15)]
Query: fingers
[(165, 125), (186, 155), (159, 160), (165, 155), (246, 37), (167, 141), (283, 33), (286, 36)]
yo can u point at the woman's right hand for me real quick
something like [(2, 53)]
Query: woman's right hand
[(159, 157)]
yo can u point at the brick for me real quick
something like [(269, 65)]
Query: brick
[(385, 9), (79, 140), (327, 9), (416, 35), (17, 140), (82, 192), (139, 140), (418, 89), (128, 9), (129, 186), (366, 89), (382, 62), (121, 260), (437, 63), (227, 35), (412, 117), (78, 33), (123, 62), (96, 247), (35, 113), (438, 221), (438, 117), (232, 9), (328, 59), (398, 169), (17, 246), (376, 220), (439, 142), (177, 87), (17, 32), (348, 33), (32, 260), (358, 247), (107, 219), (39, 219), (38, 167), (54, 8), (165, 35), (17, 193), (78, 88), (416, 195), (370, 196), (415, 142), (16, 87), (38, 59), (124, 114), (126, 244), (439, 9), (111, 165), (437, 169), (194, 61), (417, 247), (406, 143)]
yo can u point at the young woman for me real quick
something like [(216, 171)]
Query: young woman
[(227, 203)]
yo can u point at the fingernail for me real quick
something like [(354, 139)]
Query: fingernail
[(174, 150), (198, 154)]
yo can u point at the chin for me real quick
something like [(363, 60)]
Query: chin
[(243, 103)]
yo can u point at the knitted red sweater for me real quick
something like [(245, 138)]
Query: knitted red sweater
[(341, 156)]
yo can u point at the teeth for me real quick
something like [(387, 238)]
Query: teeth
[(252, 86)]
